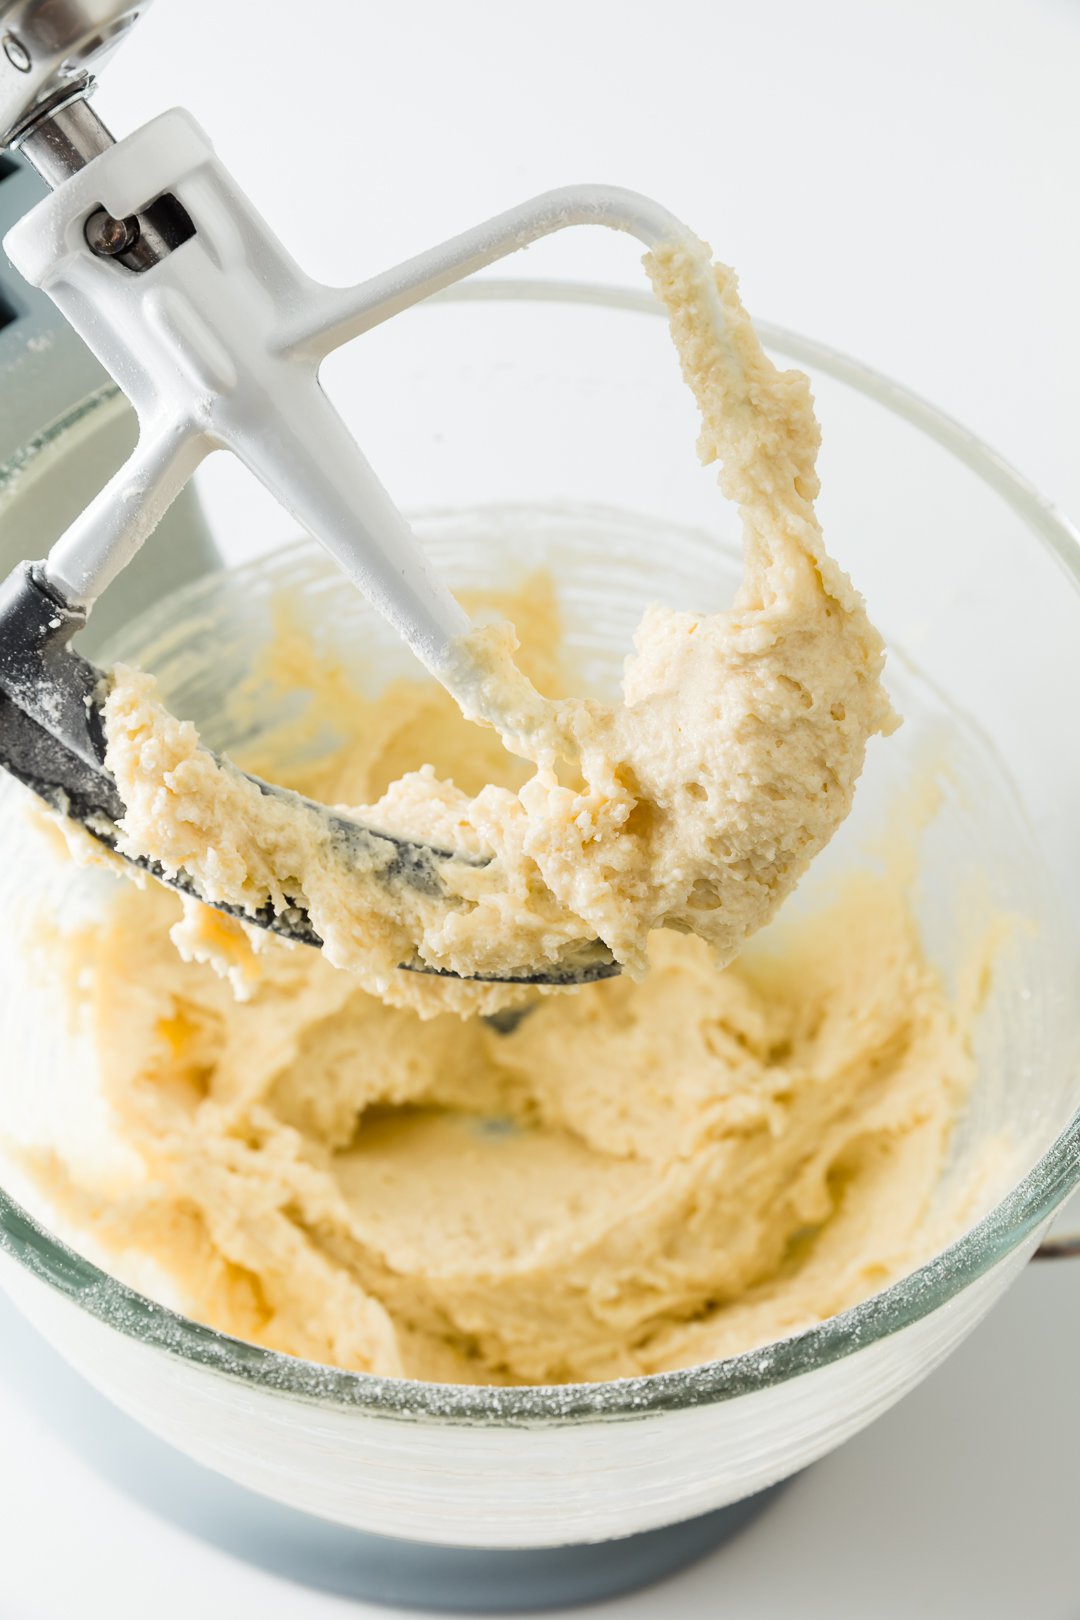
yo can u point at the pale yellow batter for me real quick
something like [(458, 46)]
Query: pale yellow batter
[(641, 1175), (694, 804)]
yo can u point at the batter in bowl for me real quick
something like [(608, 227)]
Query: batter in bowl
[(638, 1175), (695, 804)]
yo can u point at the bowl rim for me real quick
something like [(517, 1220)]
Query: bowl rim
[(1015, 1220)]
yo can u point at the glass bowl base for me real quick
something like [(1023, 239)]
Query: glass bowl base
[(300, 1547)]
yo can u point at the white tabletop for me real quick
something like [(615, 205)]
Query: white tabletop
[(899, 179)]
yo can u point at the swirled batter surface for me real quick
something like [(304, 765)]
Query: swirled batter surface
[(639, 1176)]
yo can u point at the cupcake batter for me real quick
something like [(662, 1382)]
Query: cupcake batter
[(694, 804), (640, 1176)]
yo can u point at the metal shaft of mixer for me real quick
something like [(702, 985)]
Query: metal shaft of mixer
[(49, 53)]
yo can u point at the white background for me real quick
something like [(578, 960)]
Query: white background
[(899, 179)]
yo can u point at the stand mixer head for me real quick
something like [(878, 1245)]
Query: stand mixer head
[(155, 256)]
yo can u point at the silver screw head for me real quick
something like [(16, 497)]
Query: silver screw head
[(107, 236), (17, 53)]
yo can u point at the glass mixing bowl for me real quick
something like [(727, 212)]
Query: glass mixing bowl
[(566, 402)]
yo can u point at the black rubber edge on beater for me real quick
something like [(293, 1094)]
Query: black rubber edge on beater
[(51, 735), (576, 969)]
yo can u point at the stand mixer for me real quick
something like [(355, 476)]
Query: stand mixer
[(156, 258)]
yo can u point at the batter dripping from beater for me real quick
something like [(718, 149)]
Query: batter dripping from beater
[(695, 804), (638, 1176)]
